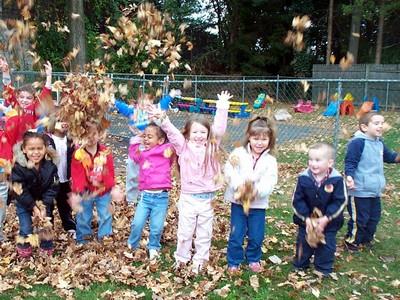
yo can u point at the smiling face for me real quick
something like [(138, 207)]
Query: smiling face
[(319, 161), (258, 144), (198, 134), (24, 99), (374, 128), (34, 149), (151, 137)]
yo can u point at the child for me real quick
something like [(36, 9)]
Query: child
[(58, 140), (34, 178), (132, 169), (197, 148), (3, 197), (155, 158), (92, 173), (365, 179), (251, 163), (26, 106), (320, 187)]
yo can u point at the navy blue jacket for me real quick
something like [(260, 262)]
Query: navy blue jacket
[(330, 198)]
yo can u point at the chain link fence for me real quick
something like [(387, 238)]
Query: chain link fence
[(284, 95)]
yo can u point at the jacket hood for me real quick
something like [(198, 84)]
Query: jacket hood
[(20, 158), (334, 173), (359, 134)]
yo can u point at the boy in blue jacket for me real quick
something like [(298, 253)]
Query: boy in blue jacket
[(320, 187), (365, 179)]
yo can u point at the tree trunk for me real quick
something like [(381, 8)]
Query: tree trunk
[(77, 34), (329, 44), (354, 40), (379, 38)]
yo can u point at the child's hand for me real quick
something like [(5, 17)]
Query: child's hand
[(350, 182), (224, 96), (4, 65), (117, 194), (48, 69), (321, 224), (309, 225), (74, 201)]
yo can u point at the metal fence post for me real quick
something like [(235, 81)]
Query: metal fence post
[(58, 93), (387, 96), (243, 83), (366, 82), (337, 119), (195, 86), (328, 92), (143, 83), (277, 87)]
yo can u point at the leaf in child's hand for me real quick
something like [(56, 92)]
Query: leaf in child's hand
[(17, 188)]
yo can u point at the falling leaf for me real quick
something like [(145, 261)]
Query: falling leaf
[(332, 59), (347, 61), (305, 84), (75, 16), (187, 67), (187, 84)]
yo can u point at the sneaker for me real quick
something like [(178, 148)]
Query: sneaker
[(24, 250), (72, 233), (233, 270), (196, 268), (153, 254), (368, 245), (255, 267), (351, 247), (48, 252)]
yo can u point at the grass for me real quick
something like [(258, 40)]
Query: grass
[(363, 275)]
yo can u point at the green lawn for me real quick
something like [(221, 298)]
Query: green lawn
[(109, 271)]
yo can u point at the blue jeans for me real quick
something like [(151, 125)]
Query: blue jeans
[(152, 206), (132, 173), (324, 254), (84, 218), (25, 225), (252, 225), (3, 205)]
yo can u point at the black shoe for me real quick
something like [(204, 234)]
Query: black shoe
[(351, 247), (368, 245)]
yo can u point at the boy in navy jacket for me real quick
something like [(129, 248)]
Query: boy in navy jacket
[(365, 179), (319, 186)]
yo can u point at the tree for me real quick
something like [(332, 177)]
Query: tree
[(378, 53), (77, 33), (329, 41)]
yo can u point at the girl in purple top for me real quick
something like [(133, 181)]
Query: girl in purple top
[(155, 157)]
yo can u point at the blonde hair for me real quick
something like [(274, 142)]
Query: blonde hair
[(327, 148)]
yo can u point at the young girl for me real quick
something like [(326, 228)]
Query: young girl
[(34, 178), (154, 157), (57, 139), (251, 165), (92, 174), (197, 149)]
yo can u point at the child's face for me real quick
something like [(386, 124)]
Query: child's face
[(93, 136), (198, 134), (259, 143), (375, 126), (34, 150), (25, 99), (319, 161), (150, 138)]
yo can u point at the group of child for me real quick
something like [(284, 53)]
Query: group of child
[(83, 176)]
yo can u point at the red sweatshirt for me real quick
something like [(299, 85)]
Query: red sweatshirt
[(92, 173)]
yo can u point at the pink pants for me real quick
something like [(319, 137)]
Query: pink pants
[(195, 216)]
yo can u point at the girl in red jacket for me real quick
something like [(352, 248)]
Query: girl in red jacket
[(92, 172)]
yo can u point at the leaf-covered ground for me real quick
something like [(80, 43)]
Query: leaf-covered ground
[(110, 270)]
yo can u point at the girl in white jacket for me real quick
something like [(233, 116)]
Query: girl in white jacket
[(251, 173)]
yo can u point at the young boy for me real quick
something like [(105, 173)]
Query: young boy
[(365, 179), (92, 171), (319, 186)]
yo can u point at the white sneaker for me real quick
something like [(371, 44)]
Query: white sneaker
[(153, 254), (196, 267), (72, 233)]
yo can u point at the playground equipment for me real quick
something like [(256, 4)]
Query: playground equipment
[(260, 101), (199, 105), (368, 106), (303, 107), (346, 106)]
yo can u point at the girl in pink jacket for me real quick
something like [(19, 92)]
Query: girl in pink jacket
[(197, 149), (155, 157)]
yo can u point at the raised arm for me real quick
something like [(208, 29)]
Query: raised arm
[(221, 115)]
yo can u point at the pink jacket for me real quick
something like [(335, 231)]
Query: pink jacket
[(154, 165), (195, 178)]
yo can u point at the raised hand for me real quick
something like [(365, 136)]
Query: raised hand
[(224, 96)]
